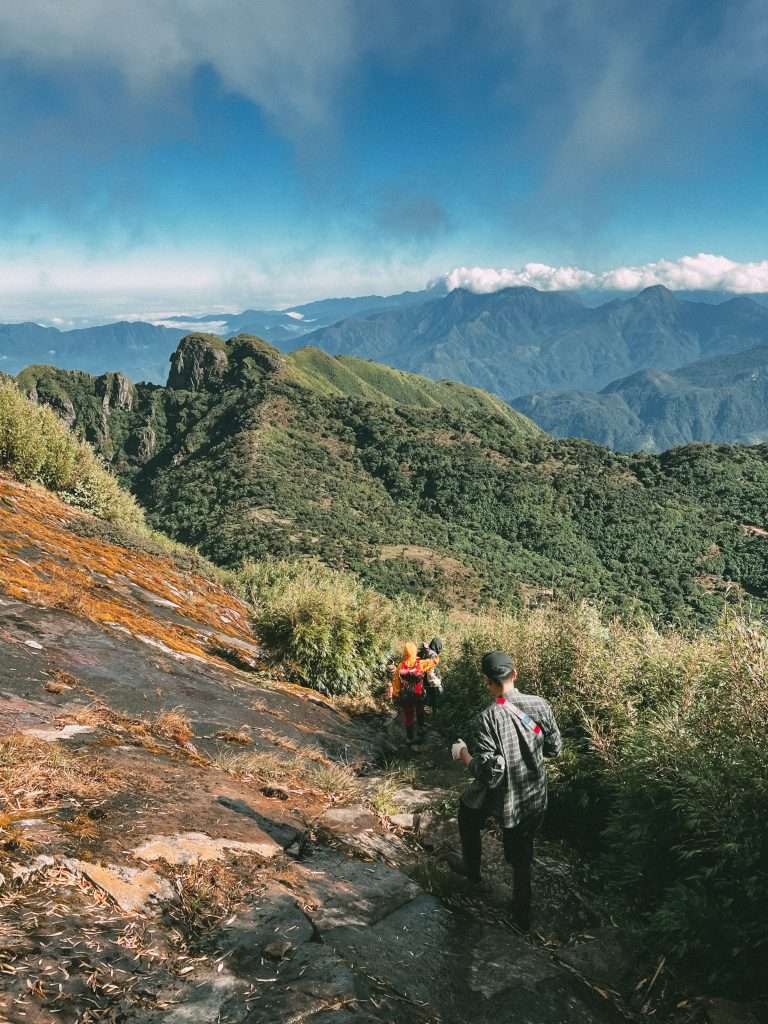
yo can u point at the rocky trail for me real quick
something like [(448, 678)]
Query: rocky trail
[(185, 837)]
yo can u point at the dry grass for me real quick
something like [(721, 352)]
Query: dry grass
[(61, 681), (264, 767), (34, 774), (206, 895), (81, 827), (241, 735), (336, 781), (172, 725), (296, 771), (382, 799)]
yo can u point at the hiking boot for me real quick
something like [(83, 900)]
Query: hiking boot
[(457, 865), (521, 918)]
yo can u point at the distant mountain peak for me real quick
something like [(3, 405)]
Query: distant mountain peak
[(656, 293)]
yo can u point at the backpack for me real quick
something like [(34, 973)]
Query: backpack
[(411, 681)]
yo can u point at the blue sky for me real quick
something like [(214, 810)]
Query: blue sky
[(191, 155)]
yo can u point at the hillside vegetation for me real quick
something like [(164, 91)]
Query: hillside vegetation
[(663, 786), (663, 783), (431, 489), (36, 446)]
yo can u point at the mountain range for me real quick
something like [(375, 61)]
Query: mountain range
[(520, 340), (284, 328), (434, 488), (719, 399), (645, 372), (139, 350)]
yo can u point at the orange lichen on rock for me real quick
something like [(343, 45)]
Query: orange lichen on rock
[(43, 562)]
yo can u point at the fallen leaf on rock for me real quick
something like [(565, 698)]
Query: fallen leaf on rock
[(277, 950)]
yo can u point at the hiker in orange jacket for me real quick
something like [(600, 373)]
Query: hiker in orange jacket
[(408, 687)]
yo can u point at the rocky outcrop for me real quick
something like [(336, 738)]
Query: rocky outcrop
[(116, 392), (60, 403), (251, 357), (146, 442), (199, 362)]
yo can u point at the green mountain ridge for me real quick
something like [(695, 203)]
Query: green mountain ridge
[(423, 487), (711, 400), (520, 340)]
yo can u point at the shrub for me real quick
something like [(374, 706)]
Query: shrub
[(329, 631), (686, 835), (36, 446), (664, 776)]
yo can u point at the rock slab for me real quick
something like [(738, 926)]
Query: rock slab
[(192, 847), (130, 888)]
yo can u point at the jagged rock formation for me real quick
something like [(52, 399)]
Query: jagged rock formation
[(117, 392), (200, 359)]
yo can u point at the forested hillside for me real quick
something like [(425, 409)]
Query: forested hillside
[(430, 488), (720, 399)]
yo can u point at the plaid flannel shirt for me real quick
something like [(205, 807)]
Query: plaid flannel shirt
[(508, 758)]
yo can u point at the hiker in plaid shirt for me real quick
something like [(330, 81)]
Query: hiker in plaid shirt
[(512, 736)]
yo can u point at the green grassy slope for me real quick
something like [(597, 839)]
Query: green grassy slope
[(352, 377)]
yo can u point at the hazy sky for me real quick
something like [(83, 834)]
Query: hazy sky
[(187, 155)]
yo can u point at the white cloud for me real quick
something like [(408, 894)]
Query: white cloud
[(535, 275), (704, 271), (75, 289), (69, 289), (208, 326)]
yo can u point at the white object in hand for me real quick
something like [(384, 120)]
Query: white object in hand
[(457, 748)]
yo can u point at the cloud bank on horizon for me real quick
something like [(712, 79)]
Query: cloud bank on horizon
[(703, 272)]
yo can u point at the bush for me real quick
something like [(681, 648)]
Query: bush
[(36, 446), (664, 776), (686, 835), (329, 631)]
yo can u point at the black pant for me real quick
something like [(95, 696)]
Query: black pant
[(518, 851)]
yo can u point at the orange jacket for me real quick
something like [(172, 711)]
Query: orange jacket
[(410, 659)]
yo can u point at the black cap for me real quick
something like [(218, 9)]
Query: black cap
[(497, 666)]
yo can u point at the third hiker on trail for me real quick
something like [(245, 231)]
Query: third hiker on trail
[(512, 736), (409, 687)]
